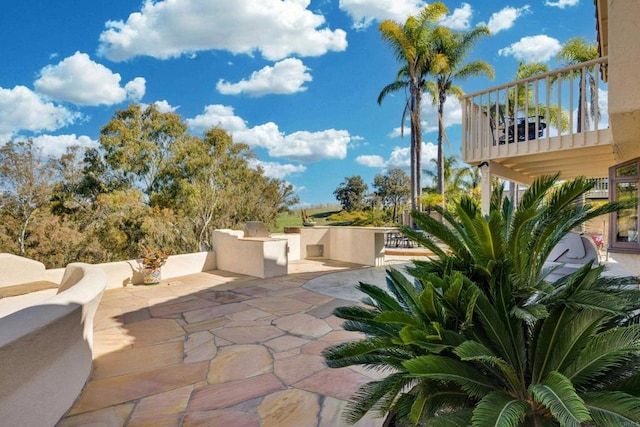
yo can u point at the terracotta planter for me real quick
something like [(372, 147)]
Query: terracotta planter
[(151, 276)]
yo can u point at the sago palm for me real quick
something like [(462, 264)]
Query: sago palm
[(482, 338)]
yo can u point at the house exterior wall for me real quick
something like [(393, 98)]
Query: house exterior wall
[(624, 78)]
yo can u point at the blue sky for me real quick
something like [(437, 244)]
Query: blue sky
[(297, 80)]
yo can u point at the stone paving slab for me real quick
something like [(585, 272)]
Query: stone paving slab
[(220, 349)]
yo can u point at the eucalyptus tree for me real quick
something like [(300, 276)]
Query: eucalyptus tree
[(411, 44), (26, 185), (452, 48), (351, 193), (393, 188), (576, 51)]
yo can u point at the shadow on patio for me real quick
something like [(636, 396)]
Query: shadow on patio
[(219, 349)]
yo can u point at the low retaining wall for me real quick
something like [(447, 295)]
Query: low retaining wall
[(46, 350), (262, 257), (358, 245), (125, 273)]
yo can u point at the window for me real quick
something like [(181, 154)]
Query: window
[(624, 184)]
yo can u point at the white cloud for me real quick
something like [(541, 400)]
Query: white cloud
[(135, 89), (429, 114), (364, 12), (277, 170), (538, 48), (22, 109), (460, 19), (80, 80), (164, 106), (310, 146), (171, 28), (285, 77), (561, 3), (217, 115), (301, 146), (603, 112), (371, 160), (56, 145), (505, 18), (452, 114), (400, 157)]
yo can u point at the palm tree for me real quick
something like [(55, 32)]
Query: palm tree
[(451, 49), (576, 51), (482, 337), (410, 43), (457, 180)]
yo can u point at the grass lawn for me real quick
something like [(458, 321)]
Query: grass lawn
[(294, 218)]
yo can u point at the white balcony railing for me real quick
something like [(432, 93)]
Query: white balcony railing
[(553, 111)]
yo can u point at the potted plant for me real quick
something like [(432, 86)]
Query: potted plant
[(153, 259), (307, 221)]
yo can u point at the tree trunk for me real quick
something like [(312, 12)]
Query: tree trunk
[(416, 141), (440, 161)]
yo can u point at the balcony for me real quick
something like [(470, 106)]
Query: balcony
[(541, 125)]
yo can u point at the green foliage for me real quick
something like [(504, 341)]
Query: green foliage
[(148, 183), (374, 218), (393, 189), (482, 338), (351, 193)]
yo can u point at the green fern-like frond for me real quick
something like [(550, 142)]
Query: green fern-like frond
[(613, 409), (557, 394), (447, 369), (499, 409), (606, 350)]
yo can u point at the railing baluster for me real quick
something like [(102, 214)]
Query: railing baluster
[(491, 117)]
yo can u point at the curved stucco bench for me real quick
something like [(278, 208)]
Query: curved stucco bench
[(46, 350)]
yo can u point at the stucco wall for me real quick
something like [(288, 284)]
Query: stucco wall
[(359, 245), (46, 351), (257, 256), (624, 79), (15, 269)]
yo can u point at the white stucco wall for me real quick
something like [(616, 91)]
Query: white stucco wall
[(359, 245), (256, 256), (46, 351)]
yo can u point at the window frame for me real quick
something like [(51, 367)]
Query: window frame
[(615, 245)]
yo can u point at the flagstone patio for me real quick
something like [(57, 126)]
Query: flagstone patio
[(219, 349)]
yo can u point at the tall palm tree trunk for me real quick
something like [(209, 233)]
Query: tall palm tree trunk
[(416, 146), (440, 163)]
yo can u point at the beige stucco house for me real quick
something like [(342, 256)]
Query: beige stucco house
[(559, 121)]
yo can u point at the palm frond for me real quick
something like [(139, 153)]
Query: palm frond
[(556, 393), (499, 409), (606, 350), (613, 409), (447, 369), (370, 394)]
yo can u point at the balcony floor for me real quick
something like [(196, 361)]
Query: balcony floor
[(219, 349)]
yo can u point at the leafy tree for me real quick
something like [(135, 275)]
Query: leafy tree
[(393, 189), (26, 180), (483, 337), (351, 193), (411, 45), (137, 146), (576, 51), (451, 49)]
